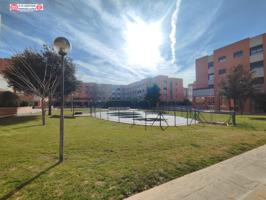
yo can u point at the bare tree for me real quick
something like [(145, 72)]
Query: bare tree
[(30, 73)]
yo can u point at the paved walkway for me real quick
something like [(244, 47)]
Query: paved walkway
[(242, 177)]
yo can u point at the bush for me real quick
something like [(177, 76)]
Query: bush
[(8, 99), (24, 103)]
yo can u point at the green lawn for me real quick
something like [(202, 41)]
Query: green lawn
[(107, 160)]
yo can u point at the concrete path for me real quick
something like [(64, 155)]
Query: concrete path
[(242, 177)]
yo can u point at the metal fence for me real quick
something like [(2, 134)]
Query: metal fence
[(161, 117)]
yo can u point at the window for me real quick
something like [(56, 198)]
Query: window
[(238, 54), (210, 86), (256, 65), (210, 77), (256, 49), (210, 64), (222, 59), (222, 71), (171, 89)]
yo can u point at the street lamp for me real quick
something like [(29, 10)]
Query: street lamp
[(62, 47)]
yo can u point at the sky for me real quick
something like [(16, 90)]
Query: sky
[(122, 41)]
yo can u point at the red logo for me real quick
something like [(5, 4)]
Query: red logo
[(39, 7), (13, 7)]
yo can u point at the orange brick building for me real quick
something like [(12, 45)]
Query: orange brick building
[(171, 90), (210, 70)]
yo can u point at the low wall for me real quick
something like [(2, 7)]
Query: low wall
[(10, 111)]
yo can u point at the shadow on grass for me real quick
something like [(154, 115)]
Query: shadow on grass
[(258, 118), (65, 117), (17, 120), (247, 126), (22, 185), (29, 126)]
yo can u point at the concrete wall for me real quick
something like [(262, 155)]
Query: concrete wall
[(11, 111)]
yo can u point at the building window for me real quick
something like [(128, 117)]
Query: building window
[(238, 54), (255, 65), (222, 59), (210, 86), (222, 71), (171, 89), (256, 49), (210, 77), (210, 65)]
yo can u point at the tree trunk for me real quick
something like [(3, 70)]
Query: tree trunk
[(50, 105), (234, 104), (241, 106), (43, 112)]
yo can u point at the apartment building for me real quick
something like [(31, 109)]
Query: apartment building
[(211, 69), (171, 90), (188, 92)]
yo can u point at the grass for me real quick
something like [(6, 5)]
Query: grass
[(107, 160)]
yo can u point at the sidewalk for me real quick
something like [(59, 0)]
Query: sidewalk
[(242, 177)]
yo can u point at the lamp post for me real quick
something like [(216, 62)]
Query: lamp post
[(62, 47)]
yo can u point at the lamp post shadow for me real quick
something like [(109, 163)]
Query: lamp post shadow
[(22, 185)]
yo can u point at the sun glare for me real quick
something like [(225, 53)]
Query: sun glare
[(143, 41)]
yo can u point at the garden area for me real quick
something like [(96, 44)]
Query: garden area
[(110, 160)]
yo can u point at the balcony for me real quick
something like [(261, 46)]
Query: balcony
[(259, 88), (211, 70), (256, 57), (211, 82), (258, 72), (206, 92)]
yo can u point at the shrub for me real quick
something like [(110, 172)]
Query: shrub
[(8, 99)]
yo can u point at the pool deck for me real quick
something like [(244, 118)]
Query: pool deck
[(242, 177)]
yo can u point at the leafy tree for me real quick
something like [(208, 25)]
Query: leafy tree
[(238, 86), (38, 73), (153, 95), (8, 99)]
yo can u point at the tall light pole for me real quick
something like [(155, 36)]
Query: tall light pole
[(62, 47)]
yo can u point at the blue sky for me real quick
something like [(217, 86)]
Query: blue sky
[(121, 41)]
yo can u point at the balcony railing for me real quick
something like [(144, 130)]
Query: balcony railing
[(258, 72), (211, 70), (259, 87), (203, 92), (256, 57), (210, 82)]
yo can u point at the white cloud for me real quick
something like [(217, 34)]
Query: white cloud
[(199, 27), (172, 35), (23, 35), (105, 16)]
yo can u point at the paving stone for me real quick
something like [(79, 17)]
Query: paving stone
[(242, 177)]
